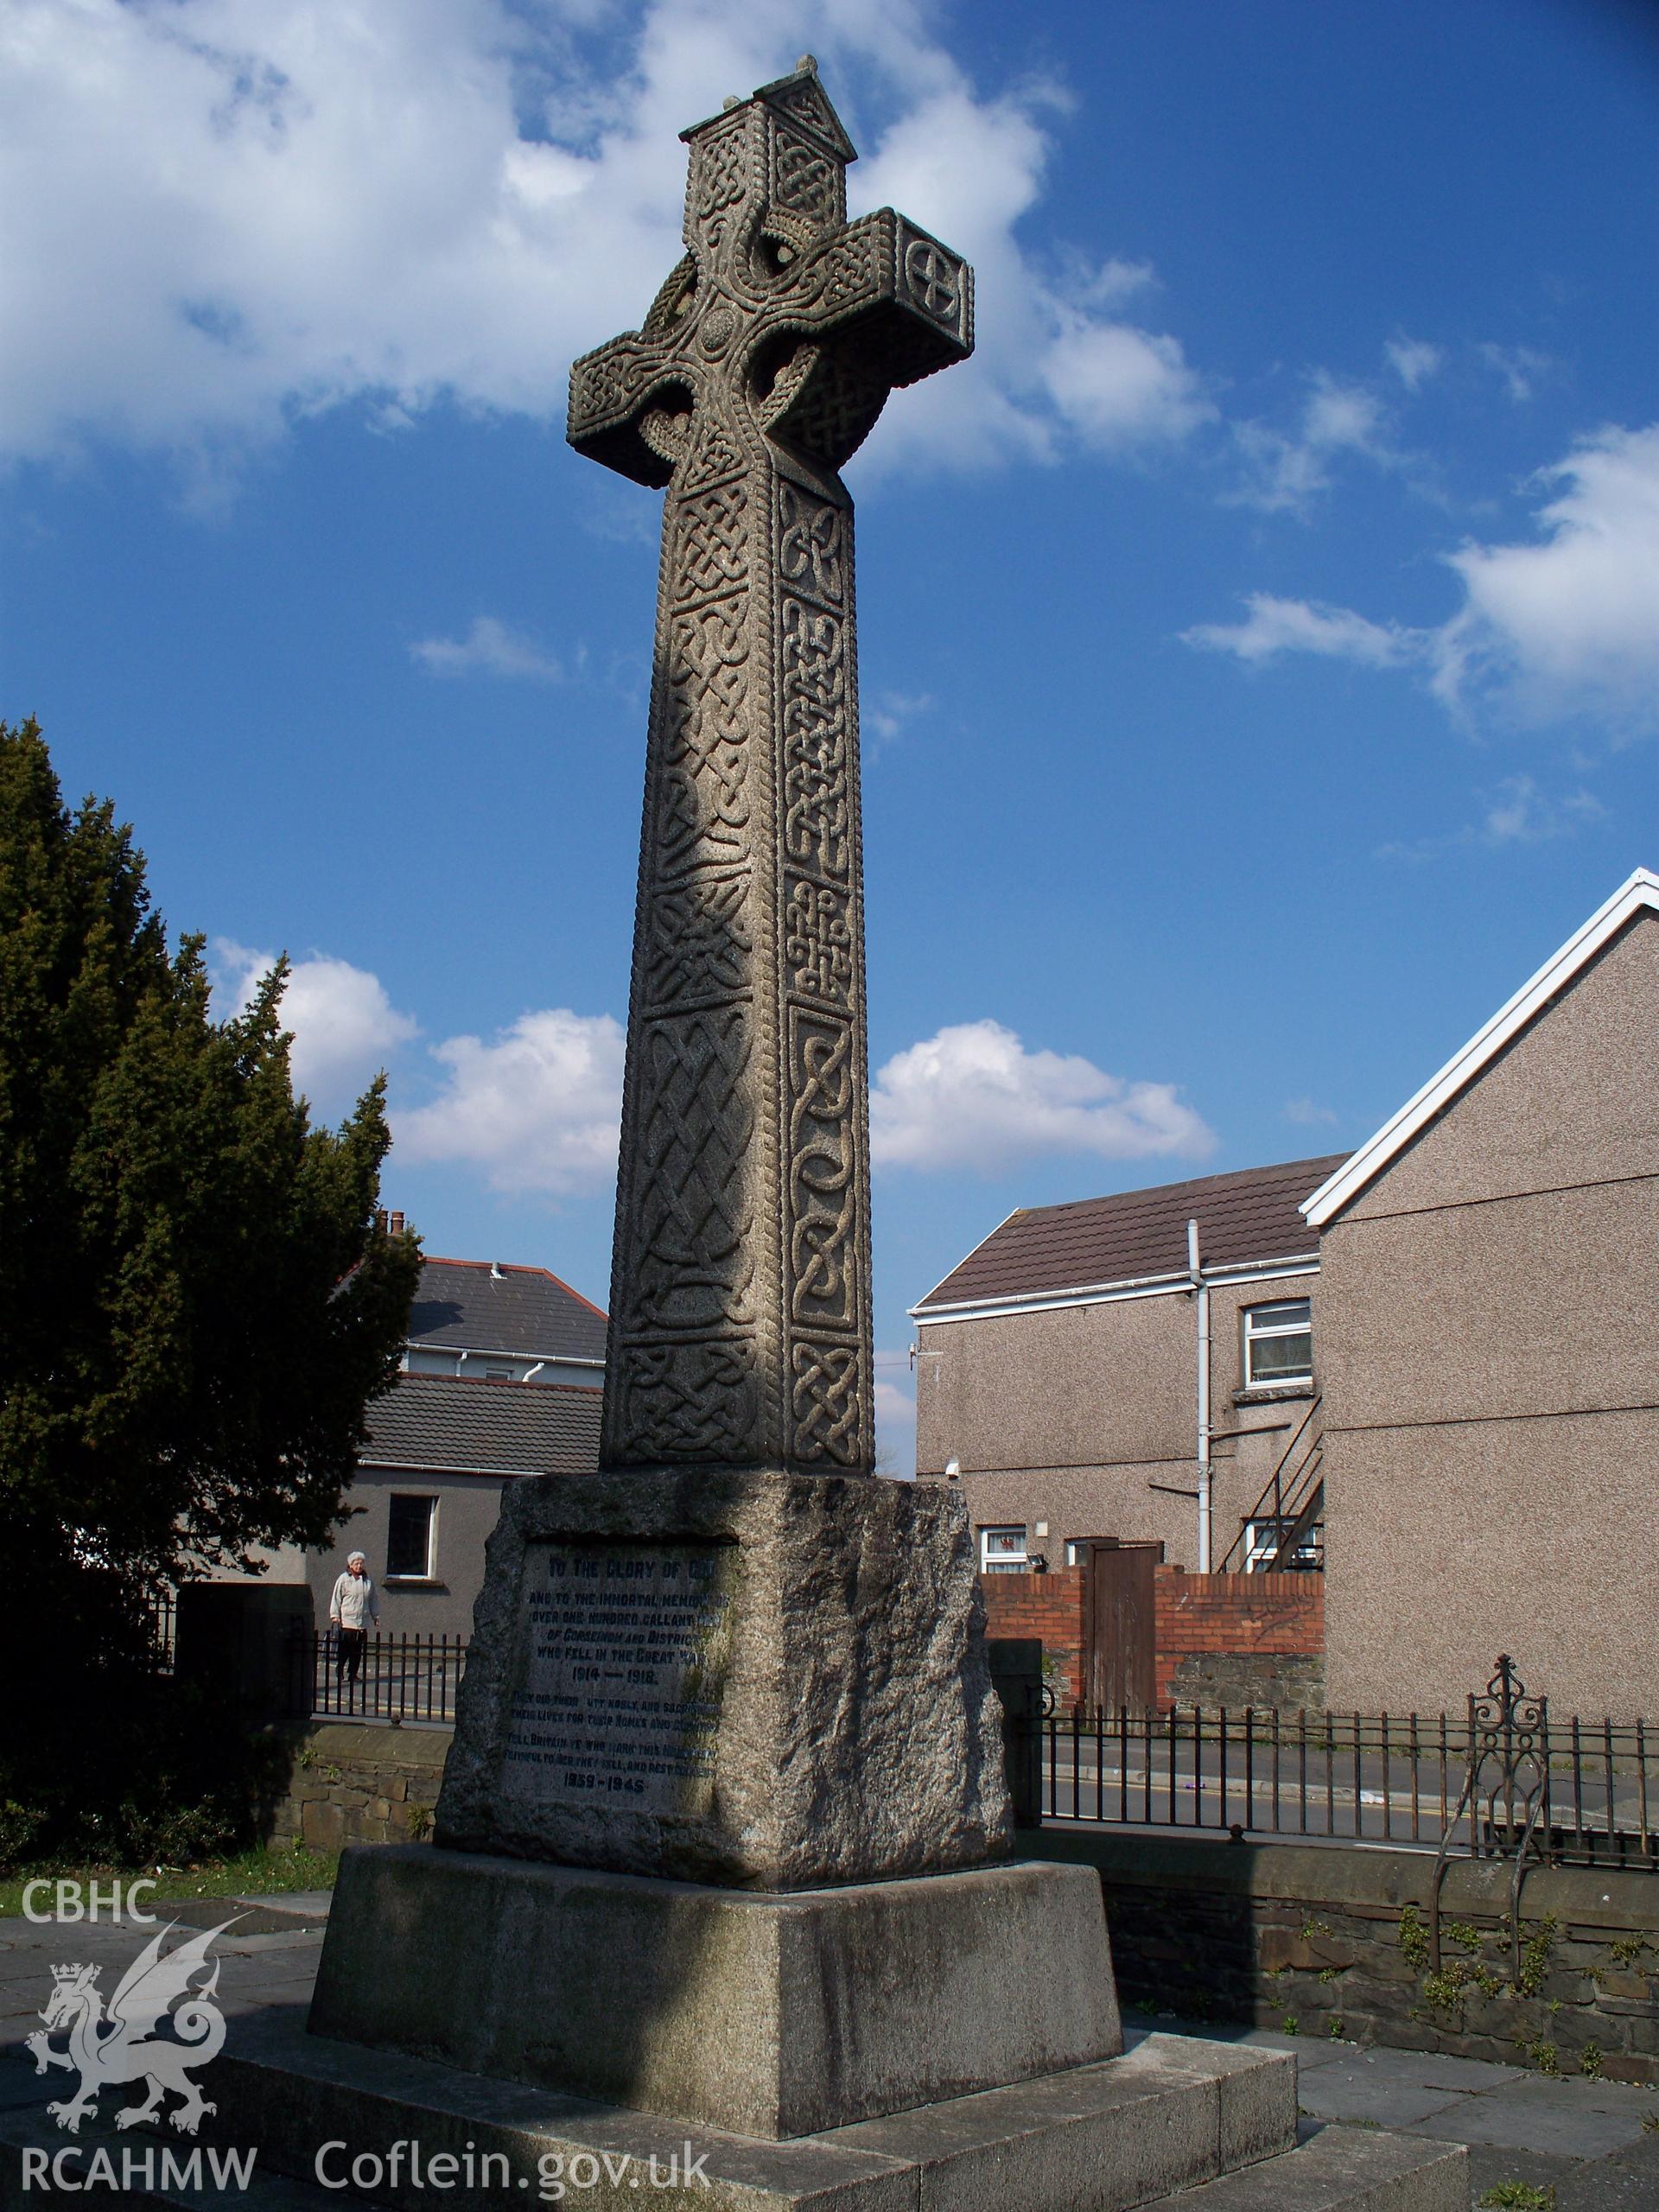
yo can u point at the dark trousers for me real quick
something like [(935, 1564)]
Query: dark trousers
[(348, 1652)]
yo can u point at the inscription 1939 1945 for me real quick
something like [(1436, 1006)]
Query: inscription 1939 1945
[(623, 1649)]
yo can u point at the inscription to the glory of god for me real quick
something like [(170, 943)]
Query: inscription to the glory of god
[(623, 1652)]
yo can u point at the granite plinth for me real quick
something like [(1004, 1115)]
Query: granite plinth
[(771, 2016), (739, 1676)]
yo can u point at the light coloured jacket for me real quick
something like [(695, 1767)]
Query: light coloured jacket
[(354, 1603)]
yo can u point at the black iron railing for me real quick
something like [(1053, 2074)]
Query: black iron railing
[(1390, 1778), (392, 1678)]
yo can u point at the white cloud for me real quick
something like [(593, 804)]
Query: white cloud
[(1520, 814), (538, 1108), (489, 648), (1564, 625), (1518, 368), (1118, 387), (1516, 812), (345, 1026), (1287, 471), (1308, 1113), (1569, 623), (219, 215), (973, 1096), (887, 716), (1413, 360), (1272, 626)]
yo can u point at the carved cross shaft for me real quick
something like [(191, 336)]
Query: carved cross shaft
[(740, 1285)]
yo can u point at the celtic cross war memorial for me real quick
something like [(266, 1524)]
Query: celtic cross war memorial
[(722, 1853), (740, 1291)]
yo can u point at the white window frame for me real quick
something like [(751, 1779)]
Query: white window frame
[(1256, 1333), (1004, 1562), (1261, 1537), (429, 1499)]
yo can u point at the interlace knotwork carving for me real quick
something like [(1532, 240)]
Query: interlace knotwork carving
[(835, 406), (806, 103), (817, 942), (718, 456), (604, 384), (805, 180), (714, 547), (848, 269), (703, 808), (693, 1266), (689, 1402), (700, 943), (823, 1290), (828, 1403), (816, 819), (722, 183), (810, 545)]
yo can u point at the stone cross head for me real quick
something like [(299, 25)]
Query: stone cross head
[(782, 313)]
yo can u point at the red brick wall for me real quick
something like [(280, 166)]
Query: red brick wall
[(1248, 1617), (1049, 1606), (1218, 1636)]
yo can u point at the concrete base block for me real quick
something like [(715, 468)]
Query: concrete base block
[(768, 2015), (1094, 2138)]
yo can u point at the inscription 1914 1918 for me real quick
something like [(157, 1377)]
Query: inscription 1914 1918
[(623, 1649)]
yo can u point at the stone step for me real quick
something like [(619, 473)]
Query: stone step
[(1340, 2170), (1172, 2112)]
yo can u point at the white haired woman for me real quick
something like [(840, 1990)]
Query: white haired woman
[(351, 1610)]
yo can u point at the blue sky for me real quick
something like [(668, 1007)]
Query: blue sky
[(1260, 638)]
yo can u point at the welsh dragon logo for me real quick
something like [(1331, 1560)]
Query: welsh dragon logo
[(110, 2051)]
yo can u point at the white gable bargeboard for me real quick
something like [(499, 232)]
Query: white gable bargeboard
[(1638, 896)]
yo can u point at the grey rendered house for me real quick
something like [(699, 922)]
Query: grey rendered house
[(1489, 1301), (1132, 1367), (502, 1377), (1447, 1343)]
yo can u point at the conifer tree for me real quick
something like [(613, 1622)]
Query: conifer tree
[(197, 1301)]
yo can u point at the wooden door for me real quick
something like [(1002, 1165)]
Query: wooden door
[(1120, 1662)]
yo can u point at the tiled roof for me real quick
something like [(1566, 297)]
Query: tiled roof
[(1252, 1215), (475, 1306), (498, 1429)]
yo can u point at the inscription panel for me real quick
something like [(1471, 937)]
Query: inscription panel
[(623, 1650)]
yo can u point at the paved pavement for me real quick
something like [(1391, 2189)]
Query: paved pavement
[(1595, 2143)]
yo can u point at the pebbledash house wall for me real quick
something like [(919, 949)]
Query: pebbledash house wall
[(1488, 1338), (468, 1507), (1071, 1417), (1234, 1640)]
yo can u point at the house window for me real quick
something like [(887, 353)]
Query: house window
[(500, 1374), (1263, 1538), (1002, 1551), (1076, 1551), (1278, 1344), (411, 1524)]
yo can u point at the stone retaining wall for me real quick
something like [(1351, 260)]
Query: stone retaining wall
[(1321, 1940), (356, 1783)]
